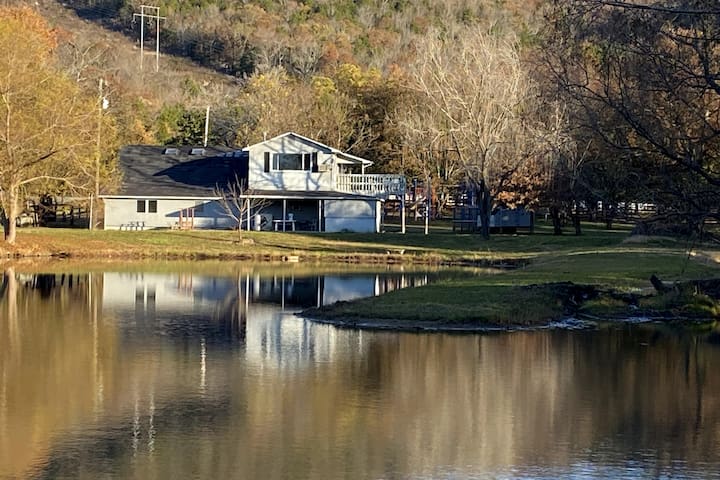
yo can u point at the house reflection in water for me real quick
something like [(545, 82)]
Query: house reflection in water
[(252, 310), (304, 292)]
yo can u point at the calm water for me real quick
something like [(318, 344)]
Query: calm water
[(158, 376)]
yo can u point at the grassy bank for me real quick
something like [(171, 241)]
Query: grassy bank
[(616, 265), (440, 246), (309, 247), (590, 285)]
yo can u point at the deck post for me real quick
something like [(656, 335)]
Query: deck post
[(402, 214), (284, 217), (248, 208), (320, 215), (378, 217), (428, 205)]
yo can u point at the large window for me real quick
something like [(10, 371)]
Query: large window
[(294, 161)]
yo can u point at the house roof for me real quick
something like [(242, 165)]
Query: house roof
[(349, 158), (179, 171), (195, 172)]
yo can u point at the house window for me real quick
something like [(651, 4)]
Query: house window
[(293, 161), (149, 206)]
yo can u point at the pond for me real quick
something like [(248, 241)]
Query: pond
[(183, 374)]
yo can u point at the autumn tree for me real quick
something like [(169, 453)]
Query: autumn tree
[(274, 102), (375, 98), (46, 123), (643, 81), (476, 81)]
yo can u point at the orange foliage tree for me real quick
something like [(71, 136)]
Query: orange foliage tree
[(46, 135)]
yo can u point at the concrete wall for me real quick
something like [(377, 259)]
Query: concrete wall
[(121, 212), (258, 179), (352, 215)]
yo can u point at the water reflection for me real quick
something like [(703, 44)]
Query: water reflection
[(217, 308), (141, 375)]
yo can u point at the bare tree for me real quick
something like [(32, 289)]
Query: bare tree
[(642, 79), (476, 81), (427, 148), (239, 203)]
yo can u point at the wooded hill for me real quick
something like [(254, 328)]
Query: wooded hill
[(305, 37), (567, 104)]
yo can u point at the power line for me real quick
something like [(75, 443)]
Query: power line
[(154, 15)]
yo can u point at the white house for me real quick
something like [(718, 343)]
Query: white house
[(294, 183)]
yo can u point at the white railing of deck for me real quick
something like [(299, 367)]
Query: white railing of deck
[(374, 185)]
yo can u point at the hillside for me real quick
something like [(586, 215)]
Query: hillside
[(90, 50), (304, 36), (337, 63)]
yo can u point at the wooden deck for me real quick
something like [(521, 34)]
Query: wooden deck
[(372, 185)]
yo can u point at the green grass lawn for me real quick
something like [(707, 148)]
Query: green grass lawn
[(441, 243)]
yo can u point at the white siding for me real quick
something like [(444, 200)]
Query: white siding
[(352, 216), (290, 180), (120, 212), (259, 179)]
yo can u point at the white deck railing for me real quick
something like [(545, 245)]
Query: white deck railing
[(378, 185)]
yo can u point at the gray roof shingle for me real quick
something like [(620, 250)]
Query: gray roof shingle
[(147, 170)]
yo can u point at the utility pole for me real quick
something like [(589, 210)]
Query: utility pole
[(154, 14), (207, 126), (102, 105)]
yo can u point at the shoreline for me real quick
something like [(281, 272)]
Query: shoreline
[(309, 259), (568, 323)]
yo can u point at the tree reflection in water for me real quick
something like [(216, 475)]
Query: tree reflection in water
[(176, 376)]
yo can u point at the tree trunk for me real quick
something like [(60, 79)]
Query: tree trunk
[(5, 225), (557, 224), (485, 205), (575, 212), (609, 216), (576, 223), (11, 214)]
